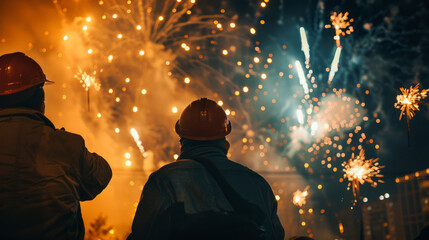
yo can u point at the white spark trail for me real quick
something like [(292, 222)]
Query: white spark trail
[(334, 64), (300, 116), (302, 78), (304, 45), (138, 141), (314, 128)]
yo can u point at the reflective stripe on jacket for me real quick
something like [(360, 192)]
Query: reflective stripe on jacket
[(44, 174)]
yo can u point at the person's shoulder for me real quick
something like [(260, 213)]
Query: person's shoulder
[(250, 172), (61, 136), (246, 169), (58, 133), (66, 134), (170, 168)]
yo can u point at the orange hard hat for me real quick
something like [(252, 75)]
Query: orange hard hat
[(19, 72), (203, 120)]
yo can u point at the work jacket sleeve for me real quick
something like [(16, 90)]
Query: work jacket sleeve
[(94, 172), (276, 230), (279, 233), (153, 201)]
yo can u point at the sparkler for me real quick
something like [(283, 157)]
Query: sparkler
[(341, 23), (87, 81), (300, 197), (409, 102), (358, 170)]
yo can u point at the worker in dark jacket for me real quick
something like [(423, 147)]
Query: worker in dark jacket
[(202, 127), (44, 172)]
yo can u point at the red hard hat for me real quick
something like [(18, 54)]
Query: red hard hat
[(19, 72), (202, 120)]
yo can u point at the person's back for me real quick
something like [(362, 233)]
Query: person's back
[(187, 181), (44, 172)]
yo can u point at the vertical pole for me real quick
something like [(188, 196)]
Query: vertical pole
[(87, 98), (360, 215), (408, 131)]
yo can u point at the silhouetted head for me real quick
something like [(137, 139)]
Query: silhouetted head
[(203, 120), (21, 82)]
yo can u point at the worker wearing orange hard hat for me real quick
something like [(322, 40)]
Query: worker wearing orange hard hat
[(204, 195), (44, 172)]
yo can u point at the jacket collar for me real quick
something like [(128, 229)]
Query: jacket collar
[(210, 149), (26, 112)]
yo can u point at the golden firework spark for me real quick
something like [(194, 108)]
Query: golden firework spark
[(88, 80), (358, 170), (409, 101), (341, 23), (300, 197)]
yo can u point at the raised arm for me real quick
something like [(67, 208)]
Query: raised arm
[(94, 172)]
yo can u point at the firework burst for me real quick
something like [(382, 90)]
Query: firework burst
[(341, 23), (88, 80), (148, 51), (409, 101), (358, 170)]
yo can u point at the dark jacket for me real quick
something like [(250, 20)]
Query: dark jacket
[(189, 182), (44, 174)]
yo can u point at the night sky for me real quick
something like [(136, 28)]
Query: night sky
[(393, 53)]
